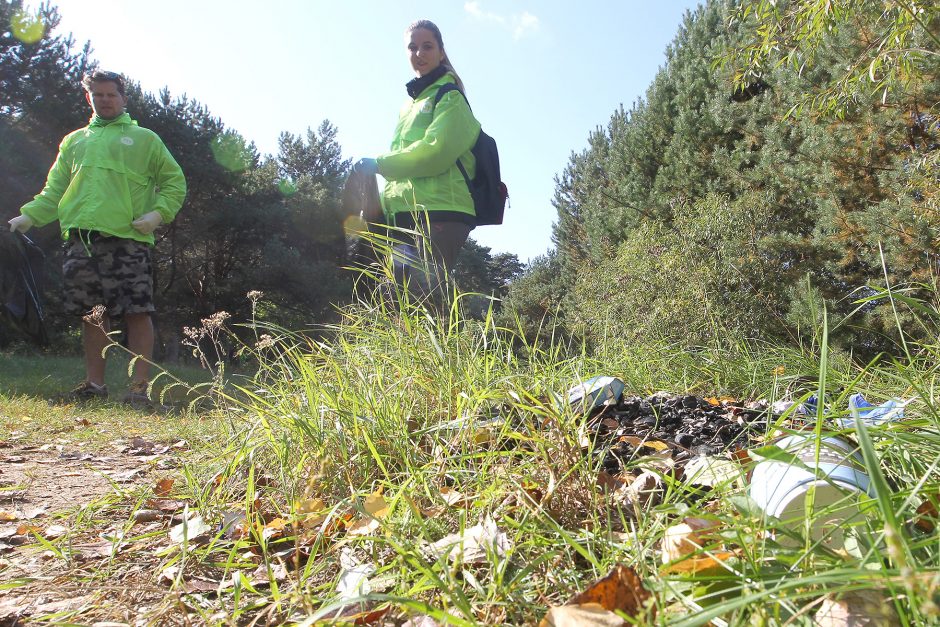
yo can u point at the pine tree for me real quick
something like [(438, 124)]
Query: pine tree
[(41, 99)]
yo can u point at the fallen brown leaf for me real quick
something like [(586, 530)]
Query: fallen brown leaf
[(859, 608), (375, 505), (685, 538), (102, 548), (420, 621), (54, 531), (483, 436), (357, 616), (168, 574), (265, 574), (198, 584), (743, 457), (61, 605), (147, 515), (315, 521), (165, 505), (646, 489), (431, 512), (27, 528), (927, 515), (141, 446), (126, 476), (534, 492), (619, 590), (163, 487), (364, 527), (375, 510), (635, 442), (278, 524), (587, 615), (453, 498), (309, 506), (699, 564), (608, 483), (12, 609)]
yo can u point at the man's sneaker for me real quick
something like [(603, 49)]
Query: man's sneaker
[(137, 397), (88, 391)]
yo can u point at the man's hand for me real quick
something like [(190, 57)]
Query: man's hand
[(147, 223), (20, 223), (368, 167)]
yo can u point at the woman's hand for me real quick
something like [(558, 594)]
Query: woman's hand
[(369, 167)]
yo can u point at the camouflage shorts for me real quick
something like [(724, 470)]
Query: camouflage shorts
[(107, 271)]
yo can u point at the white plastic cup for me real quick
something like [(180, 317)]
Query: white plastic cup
[(828, 492)]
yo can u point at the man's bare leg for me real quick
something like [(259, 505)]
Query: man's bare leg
[(94, 341), (140, 342)]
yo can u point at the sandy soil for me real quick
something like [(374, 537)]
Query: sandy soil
[(57, 490)]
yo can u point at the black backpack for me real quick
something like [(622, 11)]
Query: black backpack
[(487, 189)]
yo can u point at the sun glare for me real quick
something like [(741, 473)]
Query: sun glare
[(27, 27)]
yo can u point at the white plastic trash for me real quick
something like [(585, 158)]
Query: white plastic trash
[(596, 392), (827, 493)]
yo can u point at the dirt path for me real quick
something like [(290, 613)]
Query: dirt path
[(58, 490)]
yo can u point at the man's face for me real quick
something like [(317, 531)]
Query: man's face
[(105, 99)]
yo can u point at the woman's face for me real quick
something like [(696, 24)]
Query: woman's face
[(423, 51)]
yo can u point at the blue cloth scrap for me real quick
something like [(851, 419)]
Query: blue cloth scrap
[(876, 414), (809, 405), (888, 411)]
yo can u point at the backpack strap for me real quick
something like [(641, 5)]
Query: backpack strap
[(441, 92), (445, 89)]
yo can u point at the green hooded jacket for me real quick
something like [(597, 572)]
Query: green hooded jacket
[(107, 175), (421, 168)]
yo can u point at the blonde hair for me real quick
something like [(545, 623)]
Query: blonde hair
[(431, 26)]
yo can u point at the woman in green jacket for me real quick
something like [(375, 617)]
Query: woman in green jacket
[(425, 190)]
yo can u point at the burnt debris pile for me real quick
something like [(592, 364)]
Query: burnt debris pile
[(686, 425)]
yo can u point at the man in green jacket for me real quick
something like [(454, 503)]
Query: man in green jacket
[(112, 184)]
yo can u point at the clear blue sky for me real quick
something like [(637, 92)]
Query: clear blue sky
[(540, 75)]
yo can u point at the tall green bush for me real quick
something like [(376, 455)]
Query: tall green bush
[(710, 272)]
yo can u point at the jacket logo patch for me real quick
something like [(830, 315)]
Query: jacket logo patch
[(127, 141), (428, 106)]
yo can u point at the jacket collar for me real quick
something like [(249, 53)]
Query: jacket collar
[(417, 85), (124, 118)]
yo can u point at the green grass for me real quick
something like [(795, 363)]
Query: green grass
[(405, 405), (45, 374), (32, 382)]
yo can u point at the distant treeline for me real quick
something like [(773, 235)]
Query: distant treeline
[(745, 198), (250, 222)]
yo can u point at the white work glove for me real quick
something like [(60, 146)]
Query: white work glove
[(147, 223), (21, 224)]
